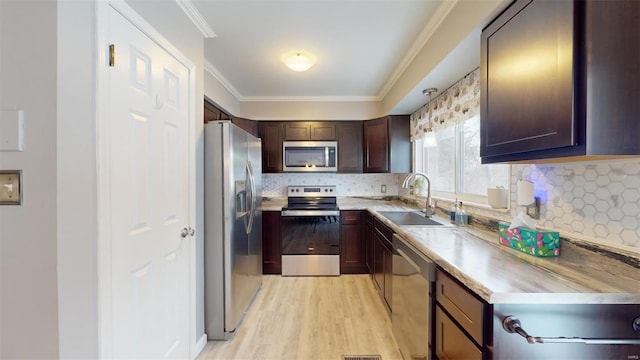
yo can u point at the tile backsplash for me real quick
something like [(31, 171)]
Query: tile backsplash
[(595, 201), (346, 184)]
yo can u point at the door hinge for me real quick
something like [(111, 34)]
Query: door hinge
[(112, 55)]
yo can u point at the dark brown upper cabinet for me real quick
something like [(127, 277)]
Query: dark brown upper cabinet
[(560, 80), (212, 113), (349, 135), (305, 130), (272, 135), (387, 145), (247, 125)]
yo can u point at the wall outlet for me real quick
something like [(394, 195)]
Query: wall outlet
[(383, 188)]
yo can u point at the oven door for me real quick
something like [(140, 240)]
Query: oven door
[(310, 245)]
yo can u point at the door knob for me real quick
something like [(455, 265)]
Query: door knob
[(185, 232)]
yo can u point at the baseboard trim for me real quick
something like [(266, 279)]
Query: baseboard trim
[(200, 344)]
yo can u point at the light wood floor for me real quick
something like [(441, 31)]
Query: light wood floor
[(308, 318)]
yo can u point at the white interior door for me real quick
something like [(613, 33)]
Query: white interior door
[(148, 142)]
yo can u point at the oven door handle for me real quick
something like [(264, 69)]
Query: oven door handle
[(310, 213)]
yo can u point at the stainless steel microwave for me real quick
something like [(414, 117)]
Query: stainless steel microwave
[(310, 156)]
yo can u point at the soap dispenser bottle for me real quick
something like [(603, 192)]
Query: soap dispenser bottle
[(461, 216), (453, 211)]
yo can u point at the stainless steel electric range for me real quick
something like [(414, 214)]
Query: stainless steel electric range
[(311, 232)]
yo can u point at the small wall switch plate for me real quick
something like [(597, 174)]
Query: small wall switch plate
[(10, 187), (383, 188), (11, 130)]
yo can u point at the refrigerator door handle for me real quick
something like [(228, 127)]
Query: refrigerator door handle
[(251, 198)]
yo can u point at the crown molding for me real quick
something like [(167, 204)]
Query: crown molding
[(427, 32), (208, 66), (196, 17), (311, 98)]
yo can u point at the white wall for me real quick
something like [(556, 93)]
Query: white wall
[(77, 184), (28, 309), (310, 110), (48, 252)]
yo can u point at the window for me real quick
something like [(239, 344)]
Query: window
[(454, 167)]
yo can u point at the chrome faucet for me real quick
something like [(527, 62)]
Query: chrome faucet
[(428, 209)]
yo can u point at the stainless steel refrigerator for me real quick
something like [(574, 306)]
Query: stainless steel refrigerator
[(233, 226)]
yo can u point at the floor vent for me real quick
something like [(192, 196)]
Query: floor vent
[(361, 357)]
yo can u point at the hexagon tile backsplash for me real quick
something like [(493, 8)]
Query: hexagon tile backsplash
[(597, 200)]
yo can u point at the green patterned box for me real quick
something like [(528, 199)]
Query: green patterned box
[(529, 241)]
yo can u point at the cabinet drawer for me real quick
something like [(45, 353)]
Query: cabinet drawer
[(463, 306), (385, 233), (451, 342), (350, 217)]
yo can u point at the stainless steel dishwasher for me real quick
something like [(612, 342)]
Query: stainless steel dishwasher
[(412, 280)]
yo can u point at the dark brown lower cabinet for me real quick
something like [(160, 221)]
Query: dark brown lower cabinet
[(352, 244), (271, 243), (382, 261), (451, 342), (462, 321), (378, 263), (368, 242)]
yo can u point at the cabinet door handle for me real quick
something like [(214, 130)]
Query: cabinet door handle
[(511, 324)]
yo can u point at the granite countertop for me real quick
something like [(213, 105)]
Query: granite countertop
[(501, 275)]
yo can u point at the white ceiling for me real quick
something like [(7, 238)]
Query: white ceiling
[(362, 47)]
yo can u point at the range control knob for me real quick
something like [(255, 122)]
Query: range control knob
[(636, 324)]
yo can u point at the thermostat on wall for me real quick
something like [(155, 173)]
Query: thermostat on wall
[(10, 187)]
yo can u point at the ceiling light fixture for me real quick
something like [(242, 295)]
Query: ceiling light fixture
[(430, 137), (298, 60)]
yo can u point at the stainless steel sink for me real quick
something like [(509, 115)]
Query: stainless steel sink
[(409, 218)]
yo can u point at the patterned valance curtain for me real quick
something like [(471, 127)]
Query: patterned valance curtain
[(456, 104)]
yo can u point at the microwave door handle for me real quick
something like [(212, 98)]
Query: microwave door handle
[(326, 156)]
